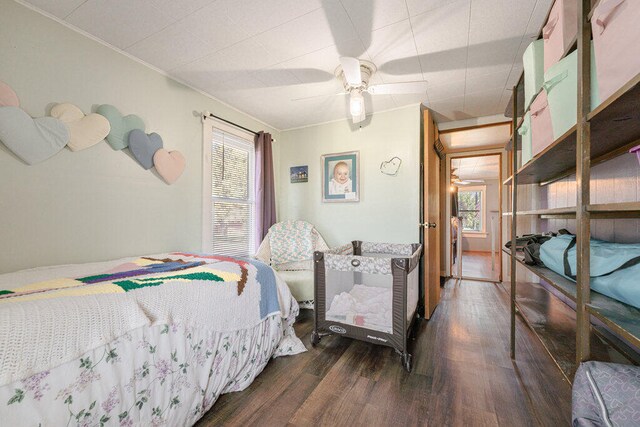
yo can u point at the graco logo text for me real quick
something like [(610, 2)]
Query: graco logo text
[(337, 329)]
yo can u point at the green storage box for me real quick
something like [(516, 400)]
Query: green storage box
[(525, 133), (561, 85), (533, 62)]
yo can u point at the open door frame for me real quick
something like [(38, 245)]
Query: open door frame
[(471, 154)]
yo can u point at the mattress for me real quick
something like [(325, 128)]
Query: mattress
[(166, 363)]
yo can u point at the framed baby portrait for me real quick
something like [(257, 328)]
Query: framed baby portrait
[(341, 177)]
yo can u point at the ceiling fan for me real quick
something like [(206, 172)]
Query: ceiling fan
[(455, 180), (355, 75)]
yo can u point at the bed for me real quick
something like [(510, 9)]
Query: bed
[(137, 341)]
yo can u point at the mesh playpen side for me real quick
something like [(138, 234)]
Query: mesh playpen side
[(368, 291)]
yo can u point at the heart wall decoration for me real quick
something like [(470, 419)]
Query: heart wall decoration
[(391, 166), (118, 137), (143, 146), (32, 140), (84, 131), (8, 97), (169, 165)]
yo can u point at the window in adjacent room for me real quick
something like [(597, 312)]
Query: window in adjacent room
[(229, 185), (471, 209)]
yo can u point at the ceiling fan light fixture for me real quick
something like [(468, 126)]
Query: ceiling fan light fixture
[(356, 103)]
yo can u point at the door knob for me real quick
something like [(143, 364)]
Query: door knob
[(428, 225)]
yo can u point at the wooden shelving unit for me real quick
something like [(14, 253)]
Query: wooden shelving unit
[(554, 323), (600, 135), (598, 211), (615, 128)]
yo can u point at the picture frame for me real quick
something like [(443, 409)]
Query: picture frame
[(299, 174), (341, 177)]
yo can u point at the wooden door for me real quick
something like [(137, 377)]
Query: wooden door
[(430, 226)]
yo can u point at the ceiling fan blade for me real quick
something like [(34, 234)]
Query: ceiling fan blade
[(351, 69), (344, 35), (398, 88), (319, 96)]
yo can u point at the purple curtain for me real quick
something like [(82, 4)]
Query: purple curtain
[(265, 189)]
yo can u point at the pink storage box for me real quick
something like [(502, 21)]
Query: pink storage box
[(560, 30), (541, 128), (616, 37)]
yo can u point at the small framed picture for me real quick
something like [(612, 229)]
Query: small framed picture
[(341, 177), (299, 174)]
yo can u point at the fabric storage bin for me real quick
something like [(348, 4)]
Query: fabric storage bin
[(561, 85), (525, 133), (605, 394), (616, 32), (541, 131), (533, 62), (560, 31)]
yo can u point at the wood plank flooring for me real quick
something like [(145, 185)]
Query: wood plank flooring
[(462, 376), (477, 265)]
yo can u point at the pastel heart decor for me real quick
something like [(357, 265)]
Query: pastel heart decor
[(33, 140), (391, 166), (8, 97), (118, 137), (143, 146), (84, 131), (169, 165)]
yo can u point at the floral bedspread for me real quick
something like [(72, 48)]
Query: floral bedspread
[(167, 374)]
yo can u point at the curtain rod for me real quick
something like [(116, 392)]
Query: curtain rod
[(208, 114)]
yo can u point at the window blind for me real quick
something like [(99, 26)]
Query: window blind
[(232, 200)]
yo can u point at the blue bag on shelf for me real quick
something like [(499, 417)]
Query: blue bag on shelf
[(614, 269)]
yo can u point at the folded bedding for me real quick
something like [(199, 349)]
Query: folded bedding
[(187, 326), (366, 306)]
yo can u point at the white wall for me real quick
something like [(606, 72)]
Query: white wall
[(388, 210), (98, 203), (483, 244)]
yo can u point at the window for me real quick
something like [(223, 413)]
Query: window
[(229, 208), (471, 209)]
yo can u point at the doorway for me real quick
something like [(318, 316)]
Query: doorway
[(476, 218)]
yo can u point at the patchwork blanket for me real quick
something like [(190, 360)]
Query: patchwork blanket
[(48, 323)]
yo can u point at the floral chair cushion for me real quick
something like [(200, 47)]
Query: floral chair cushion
[(291, 241)]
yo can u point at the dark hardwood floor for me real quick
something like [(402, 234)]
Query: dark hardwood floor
[(462, 376)]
